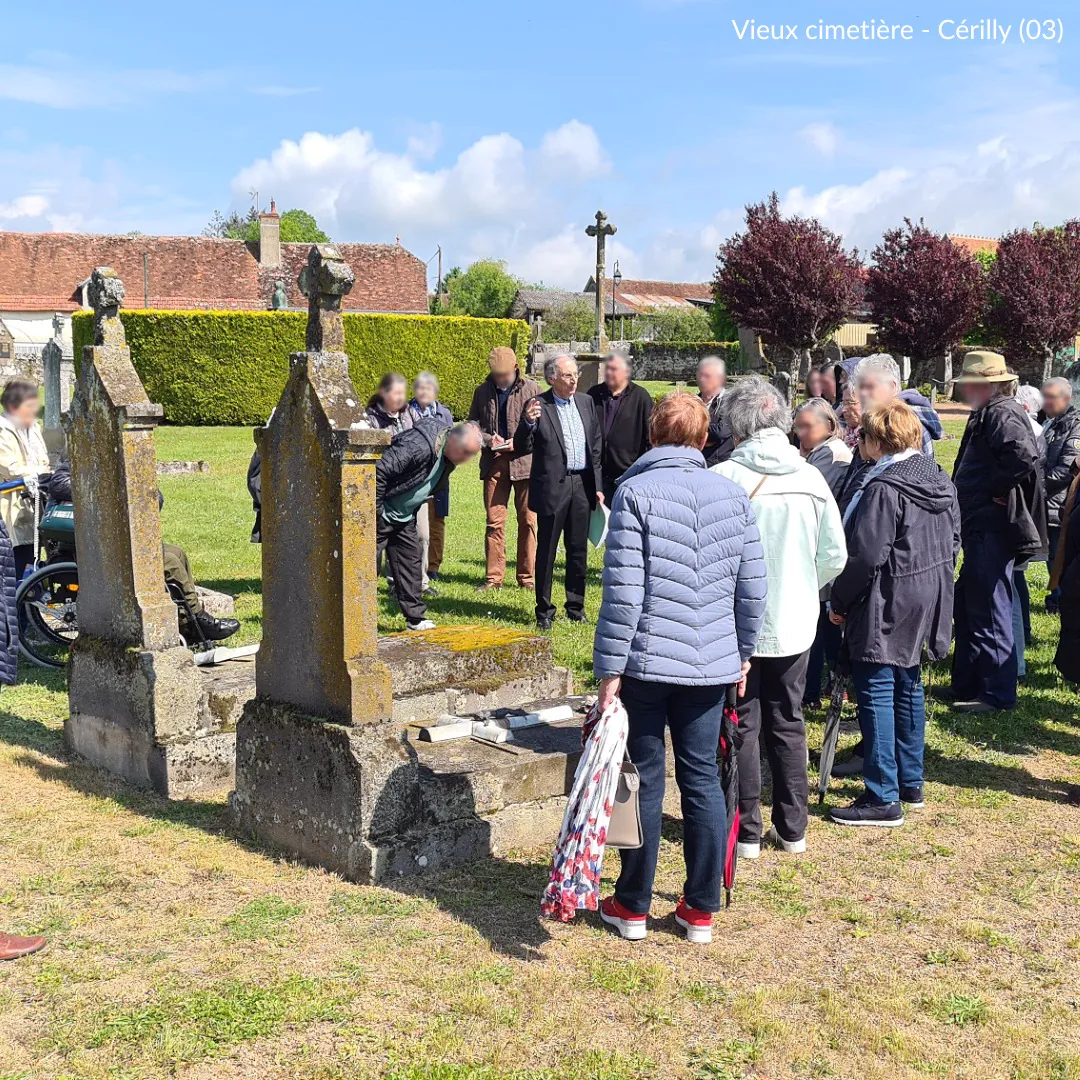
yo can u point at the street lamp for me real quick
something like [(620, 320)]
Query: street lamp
[(616, 280)]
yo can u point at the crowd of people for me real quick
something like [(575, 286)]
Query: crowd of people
[(777, 549)]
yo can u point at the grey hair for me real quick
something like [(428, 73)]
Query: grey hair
[(712, 361), (551, 366), (616, 355), (1030, 397), (1060, 384), (426, 377), (466, 427), (754, 404), (880, 364), (823, 411)]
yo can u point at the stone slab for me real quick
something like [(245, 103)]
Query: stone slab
[(220, 605), (452, 656)]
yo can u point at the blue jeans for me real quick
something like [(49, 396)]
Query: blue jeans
[(892, 716), (1021, 619), (984, 661), (824, 651), (693, 715)]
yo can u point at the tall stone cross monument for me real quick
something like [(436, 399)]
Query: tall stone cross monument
[(601, 230), (320, 605)]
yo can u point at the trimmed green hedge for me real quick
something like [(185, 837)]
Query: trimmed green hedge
[(229, 367)]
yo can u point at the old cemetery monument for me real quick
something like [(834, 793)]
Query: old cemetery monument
[(369, 756)]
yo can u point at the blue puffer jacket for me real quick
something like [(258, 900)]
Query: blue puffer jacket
[(684, 575)]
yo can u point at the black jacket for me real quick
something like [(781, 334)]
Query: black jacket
[(628, 437), (409, 459), (1062, 447), (254, 484), (999, 460), (720, 442), (9, 623), (1067, 659), (547, 481), (853, 480), (897, 588)]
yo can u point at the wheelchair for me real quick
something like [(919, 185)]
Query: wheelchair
[(46, 598)]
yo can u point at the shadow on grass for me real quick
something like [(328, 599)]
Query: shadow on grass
[(234, 586)]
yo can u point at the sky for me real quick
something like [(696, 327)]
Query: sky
[(497, 130)]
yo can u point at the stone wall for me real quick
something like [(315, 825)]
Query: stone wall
[(678, 363), (26, 364)]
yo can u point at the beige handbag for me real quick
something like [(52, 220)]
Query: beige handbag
[(624, 829)]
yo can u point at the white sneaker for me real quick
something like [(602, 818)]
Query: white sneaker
[(423, 624), (792, 847), (748, 851)]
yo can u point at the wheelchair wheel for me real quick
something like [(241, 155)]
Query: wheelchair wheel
[(45, 606)]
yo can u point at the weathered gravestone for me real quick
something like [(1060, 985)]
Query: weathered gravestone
[(325, 769), (139, 707)]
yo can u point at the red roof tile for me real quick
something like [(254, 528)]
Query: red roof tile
[(974, 245), (42, 271)]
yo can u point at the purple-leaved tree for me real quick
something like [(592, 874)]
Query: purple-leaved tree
[(789, 279), (1035, 295), (925, 294)]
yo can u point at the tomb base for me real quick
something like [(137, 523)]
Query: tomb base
[(155, 719)]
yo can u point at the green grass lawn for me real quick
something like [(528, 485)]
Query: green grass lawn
[(948, 948)]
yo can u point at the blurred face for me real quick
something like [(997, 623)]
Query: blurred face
[(566, 377), (870, 449), (810, 429), (462, 444), (27, 413), (710, 380), (616, 374), (1056, 399), (875, 390), (851, 409), (828, 385), (976, 394), (393, 399), (503, 379), (424, 392), (813, 384)]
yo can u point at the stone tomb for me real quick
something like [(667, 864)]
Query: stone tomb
[(327, 769)]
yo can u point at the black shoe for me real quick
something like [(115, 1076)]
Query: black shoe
[(544, 622), (864, 811), (430, 590), (942, 693), (1052, 607), (912, 797), (212, 629), (852, 766), (577, 616)]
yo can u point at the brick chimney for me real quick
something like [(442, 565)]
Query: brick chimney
[(270, 238)]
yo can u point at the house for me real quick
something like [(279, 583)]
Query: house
[(975, 245), (530, 304), (638, 296), (45, 274)]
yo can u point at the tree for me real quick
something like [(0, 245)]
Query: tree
[(572, 320), (672, 325), (789, 279), (297, 227), (724, 327), (1035, 294), (925, 293), (486, 290)]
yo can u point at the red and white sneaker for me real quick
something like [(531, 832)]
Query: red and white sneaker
[(697, 924), (630, 926)]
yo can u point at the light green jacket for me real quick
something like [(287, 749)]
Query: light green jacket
[(801, 532)]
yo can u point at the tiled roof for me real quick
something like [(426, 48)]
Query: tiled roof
[(639, 295), (975, 245), (544, 300), (42, 272)]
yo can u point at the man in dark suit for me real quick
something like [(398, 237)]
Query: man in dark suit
[(561, 430), (711, 382), (624, 409)]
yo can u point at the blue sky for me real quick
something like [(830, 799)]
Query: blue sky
[(498, 129)]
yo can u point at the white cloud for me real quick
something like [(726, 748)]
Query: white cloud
[(822, 137), (575, 151), (73, 86), (25, 206)]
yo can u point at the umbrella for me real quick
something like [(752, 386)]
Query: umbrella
[(729, 782), (839, 685), (577, 862)]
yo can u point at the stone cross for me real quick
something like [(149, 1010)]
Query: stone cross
[(601, 230), (325, 279), (320, 604)]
